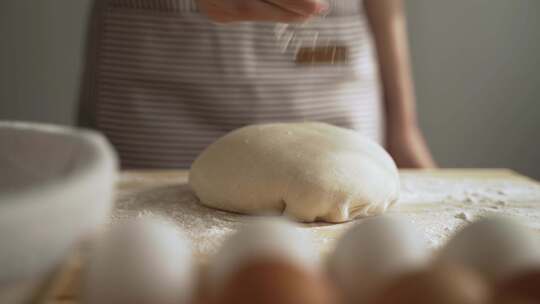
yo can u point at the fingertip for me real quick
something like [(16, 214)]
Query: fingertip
[(292, 19), (316, 7), (306, 8), (321, 8), (309, 8)]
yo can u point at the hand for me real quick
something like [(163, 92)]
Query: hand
[(261, 10), (409, 149)]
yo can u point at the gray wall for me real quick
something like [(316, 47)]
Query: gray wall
[(476, 63), (477, 70), (41, 43)]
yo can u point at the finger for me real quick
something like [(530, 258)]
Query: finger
[(302, 7), (255, 10), (215, 10)]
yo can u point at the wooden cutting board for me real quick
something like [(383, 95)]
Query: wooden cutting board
[(438, 201)]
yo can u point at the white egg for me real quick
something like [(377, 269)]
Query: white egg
[(495, 247), (374, 252), (140, 261), (271, 238)]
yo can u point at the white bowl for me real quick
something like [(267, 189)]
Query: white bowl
[(56, 187)]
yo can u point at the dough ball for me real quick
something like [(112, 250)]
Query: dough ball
[(140, 261), (495, 247), (270, 281), (307, 171), (258, 241), (441, 285), (374, 252)]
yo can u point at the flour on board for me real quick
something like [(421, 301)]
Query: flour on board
[(438, 206)]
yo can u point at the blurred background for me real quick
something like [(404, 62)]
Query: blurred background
[(476, 65)]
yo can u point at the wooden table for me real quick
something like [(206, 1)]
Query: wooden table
[(65, 286)]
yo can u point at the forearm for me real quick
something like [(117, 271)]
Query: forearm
[(388, 24), (404, 139)]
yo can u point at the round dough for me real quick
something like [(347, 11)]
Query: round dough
[(307, 171)]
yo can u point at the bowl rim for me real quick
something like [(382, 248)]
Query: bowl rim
[(101, 157)]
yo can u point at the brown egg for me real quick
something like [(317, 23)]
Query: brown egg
[(513, 301), (523, 288), (440, 285), (271, 281)]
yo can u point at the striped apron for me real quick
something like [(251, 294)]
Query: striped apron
[(164, 81)]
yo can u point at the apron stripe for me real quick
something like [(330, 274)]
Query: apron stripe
[(157, 5), (169, 82), (155, 104), (232, 94), (168, 121), (168, 88)]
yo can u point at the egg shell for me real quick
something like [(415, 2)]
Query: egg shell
[(441, 285), (372, 253), (261, 239), (522, 288), (140, 261), (514, 301), (269, 281), (497, 248)]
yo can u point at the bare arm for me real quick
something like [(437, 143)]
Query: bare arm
[(404, 139)]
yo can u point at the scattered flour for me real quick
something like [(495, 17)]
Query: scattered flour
[(437, 206)]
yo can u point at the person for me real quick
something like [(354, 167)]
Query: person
[(165, 78)]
